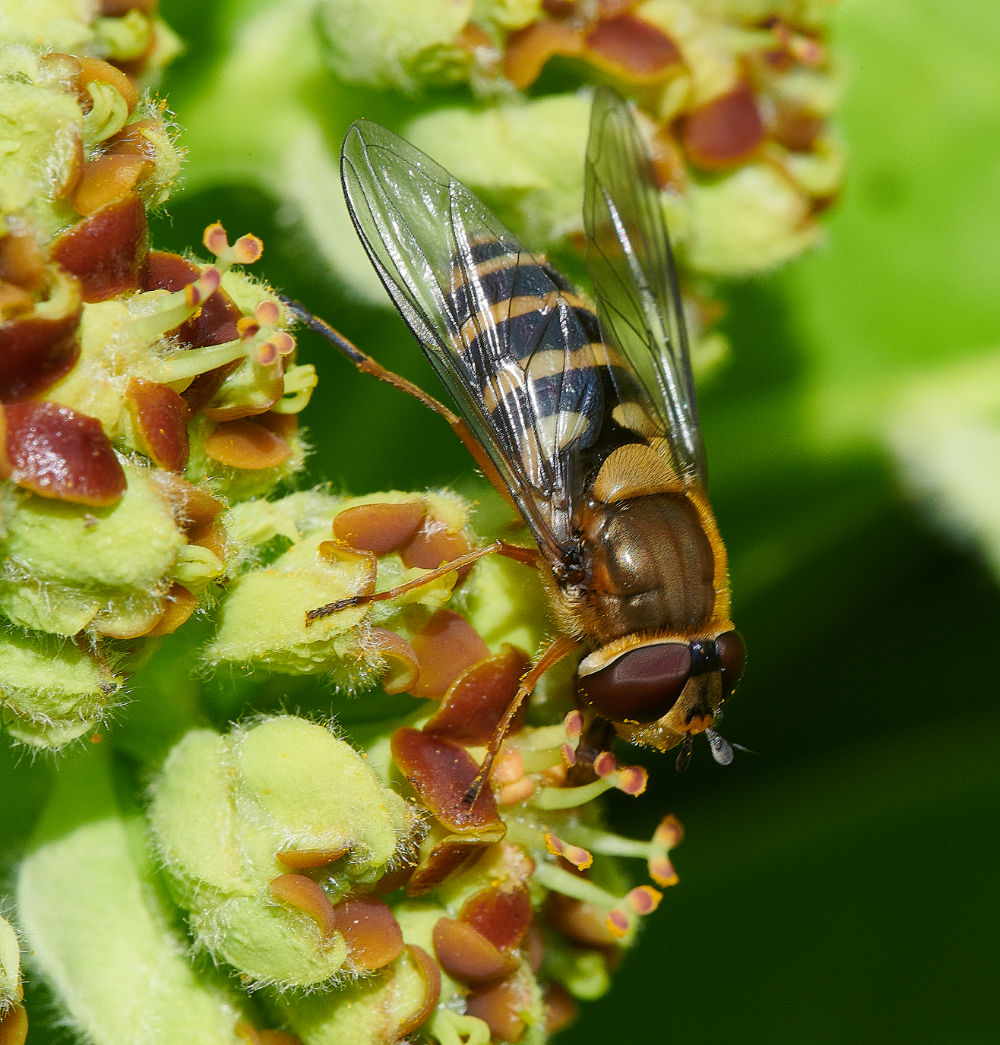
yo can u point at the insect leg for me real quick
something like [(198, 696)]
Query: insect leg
[(554, 652), (367, 365), (402, 589)]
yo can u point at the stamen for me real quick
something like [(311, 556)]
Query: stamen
[(574, 854)]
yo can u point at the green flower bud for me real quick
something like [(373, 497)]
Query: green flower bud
[(393, 44), (370, 1012), (70, 566), (52, 690), (263, 616), (233, 814), (97, 928), (751, 220), (42, 124)]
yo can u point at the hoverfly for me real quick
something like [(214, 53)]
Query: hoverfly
[(586, 421)]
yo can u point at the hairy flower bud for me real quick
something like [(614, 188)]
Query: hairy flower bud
[(265, 834)]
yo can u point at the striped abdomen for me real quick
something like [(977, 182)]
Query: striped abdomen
[(533, 348)]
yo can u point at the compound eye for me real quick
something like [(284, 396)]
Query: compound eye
[(732, 654), (642, 685)]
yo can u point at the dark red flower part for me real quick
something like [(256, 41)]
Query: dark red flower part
[(476, 701), (725, 131), (35, 352), (379, 528), (500, 1006), (108, 251), (245, 444), (441, 772), (465, 954), (58, 453), (432, 545), (446, 646), (161, 418), (502, 916), (633, 48), (371, 931), (213, 324)]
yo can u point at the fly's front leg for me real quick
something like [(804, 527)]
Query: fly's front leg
[(553, 653)]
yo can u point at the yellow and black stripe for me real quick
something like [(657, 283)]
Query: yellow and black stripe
[(532, 348)]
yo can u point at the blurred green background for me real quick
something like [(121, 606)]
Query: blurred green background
[(839, 884)]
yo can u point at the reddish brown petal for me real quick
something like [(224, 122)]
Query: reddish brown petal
[(36, 352), (161, 418), (467, 955), (560, 1008), (632, 48), (307, 858), (169, 271), (58, 453), (725, 131), (308, 896), (94, 69), (443, 860), (109, 178), (380, 528), (180, 605), (474, 704), (441, 772), (502, 917), (445, 648), (204, 387), (107, 252), (500, 1006), (21, 259), (197, 509), (432, 979), (584, 923), (797, 129), (372, 933), (403, 670), (432, 545), (530, 48), (243, 444), (14, 1026), (215, 322)]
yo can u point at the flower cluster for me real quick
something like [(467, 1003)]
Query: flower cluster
[(141, 392), (735, 101)]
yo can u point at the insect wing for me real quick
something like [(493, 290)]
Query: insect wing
[(629, 259), (470, 292)]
